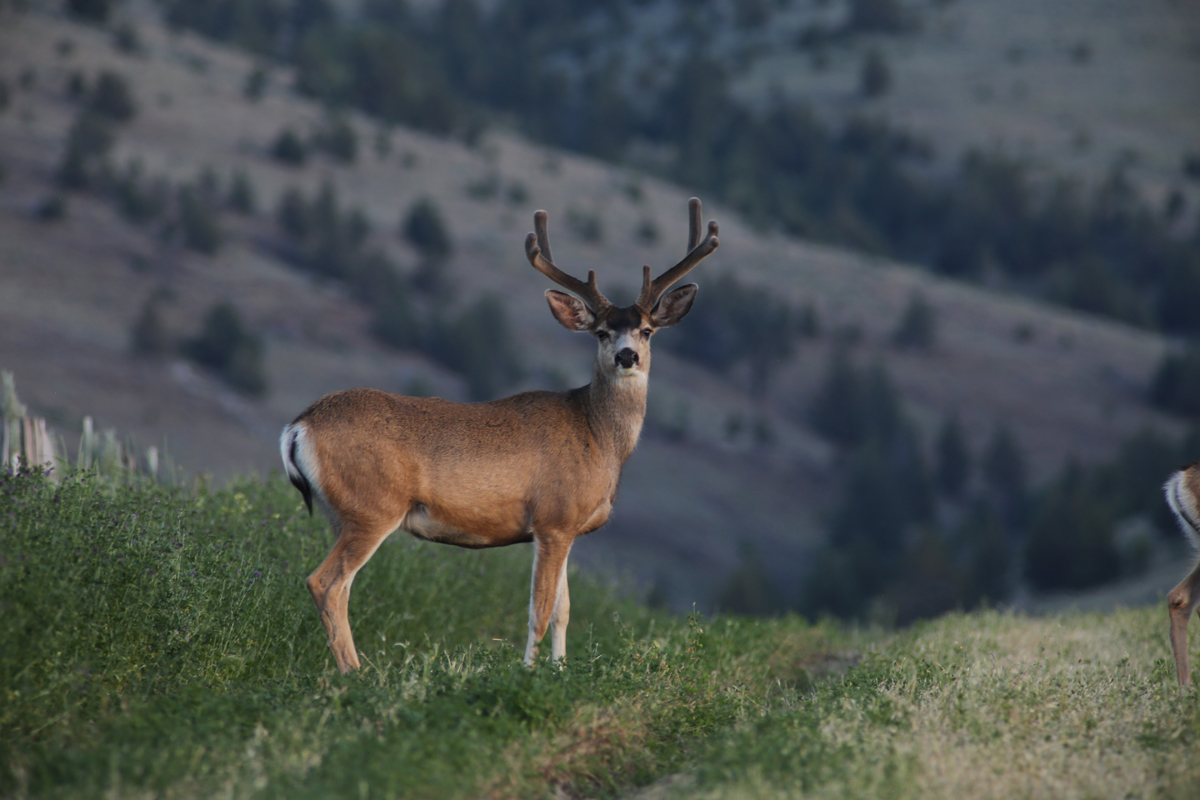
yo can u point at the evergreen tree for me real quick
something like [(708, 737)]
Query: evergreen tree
[(242, 197), (293, 214), (878, 16), (226, 347), (883, 418), (989, 557), (876, 77), (1176, 385), (838, 409), (90, 10), (478, 344), (112, 98), (918, 326), (148, 337), (835, 585), (1004, 469), (953, 466), (424, 229), (1071, 537), (289, 148), (748, 589), (198, 222), (88, 143)]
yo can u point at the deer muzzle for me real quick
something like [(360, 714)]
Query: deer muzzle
[(626, 358)]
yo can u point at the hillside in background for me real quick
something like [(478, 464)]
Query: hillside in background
[(733, 474)]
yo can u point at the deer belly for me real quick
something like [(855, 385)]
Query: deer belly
[(420, 523)]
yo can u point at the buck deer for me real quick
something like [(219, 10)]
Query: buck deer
[(537, 467), (1183, 496)]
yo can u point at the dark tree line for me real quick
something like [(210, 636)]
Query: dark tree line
[(918, 537)]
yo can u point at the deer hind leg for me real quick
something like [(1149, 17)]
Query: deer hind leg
[(330, 586), (548, 596), (1181, 604)]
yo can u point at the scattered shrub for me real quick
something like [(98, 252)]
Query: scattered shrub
[(876, 77), (917, 329), (226, 347), (111, 98), (1071, 538), (738, 325), (136, 201), (424, 229), (852, 407), (517, 194), (1004, 469), (1176, 385), (588, 226), (396, 322), (127, 40), (89, 10), (647, 232), (485, 188), (52, 209), (953, 466), (256, 84), (198, 222), (1191, 166), (289, 148), (292, 214), (478, 344), (76, 84), (242, 198), (148, 336), (339, 139), (88, 144), (879, 16), (749, 590)]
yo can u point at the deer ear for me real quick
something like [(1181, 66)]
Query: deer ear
[(673, 306), (570, 311)]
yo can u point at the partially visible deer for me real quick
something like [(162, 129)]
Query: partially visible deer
[(537, 466), (1183, 496)]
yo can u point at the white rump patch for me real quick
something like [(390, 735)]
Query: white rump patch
[(1183, 503)]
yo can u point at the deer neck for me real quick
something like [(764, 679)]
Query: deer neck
[(616, 407)]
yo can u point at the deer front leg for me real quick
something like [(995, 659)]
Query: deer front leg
[(330, 584), (1181, 604), (560, 617), (548, 596)]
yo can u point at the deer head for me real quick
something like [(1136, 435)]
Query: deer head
[(623, 334)]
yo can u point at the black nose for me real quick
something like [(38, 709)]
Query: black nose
[(627, 358)]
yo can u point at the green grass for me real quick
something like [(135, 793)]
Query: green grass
[(160, 643)]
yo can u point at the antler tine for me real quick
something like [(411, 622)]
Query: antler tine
[(694, 223), (697, 251), (537, 249)]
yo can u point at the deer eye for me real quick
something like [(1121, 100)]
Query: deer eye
[(647, 331), (602, 335)]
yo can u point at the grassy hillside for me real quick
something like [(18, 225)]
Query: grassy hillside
[(757, 474), (160, 643)]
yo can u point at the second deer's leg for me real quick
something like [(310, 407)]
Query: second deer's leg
[(549, 571), (330, 587), (1181, 603)]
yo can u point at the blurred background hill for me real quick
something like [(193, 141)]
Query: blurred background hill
[(945, 354)]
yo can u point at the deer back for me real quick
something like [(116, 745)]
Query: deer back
[(494, 470)]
